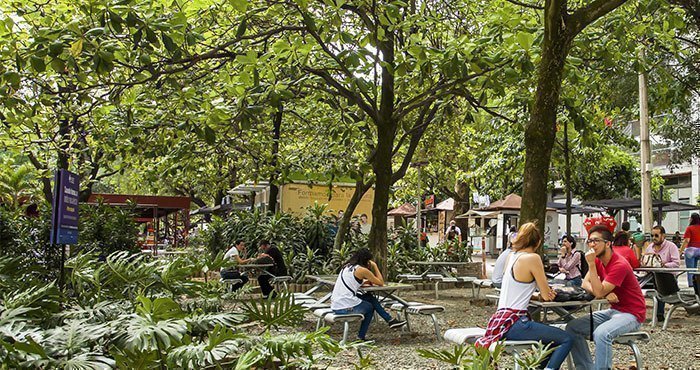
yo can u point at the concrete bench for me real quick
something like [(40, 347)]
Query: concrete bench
[(281, 280), (470, 335), (327, 315), (629, 339), (229, 283), (417, 308), (486, 283)]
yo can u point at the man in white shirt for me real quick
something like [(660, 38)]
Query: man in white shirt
[(229, 273), (453, 232)]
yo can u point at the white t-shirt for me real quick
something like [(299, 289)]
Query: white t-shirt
[(458, 231), (231, 253)]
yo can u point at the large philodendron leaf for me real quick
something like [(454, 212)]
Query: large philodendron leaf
[(275, 312), (138, 333), (221, 343), (206, 321)]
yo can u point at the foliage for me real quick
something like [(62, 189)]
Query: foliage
[(107, 229), (477, 358), (273, 313)]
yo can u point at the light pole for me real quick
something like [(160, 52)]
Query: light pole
[(418, 165)]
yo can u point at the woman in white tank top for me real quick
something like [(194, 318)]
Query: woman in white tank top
[(524, 272), (345, 299)]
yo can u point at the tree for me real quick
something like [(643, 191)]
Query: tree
[(561, 26)]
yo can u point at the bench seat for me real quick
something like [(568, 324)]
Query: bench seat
[(327, 315), (418, 308), (470, 335)]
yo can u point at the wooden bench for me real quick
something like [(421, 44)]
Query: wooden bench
[(418, 308), (327, 315)]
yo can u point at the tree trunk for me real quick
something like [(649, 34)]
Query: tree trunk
[(344, 224), (382, 171), (462, 204), (274, 177), (540, 133)]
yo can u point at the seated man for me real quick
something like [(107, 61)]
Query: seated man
[(229, 273), (609, 276), (270, 254)]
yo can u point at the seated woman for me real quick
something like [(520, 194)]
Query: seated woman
[(524, 273), (359, 270), (621, 246), (570, 262)]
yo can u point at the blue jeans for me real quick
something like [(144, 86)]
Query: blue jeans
[(692, 256), (608, 324), (577, 281), (526, 329), (367, 307)]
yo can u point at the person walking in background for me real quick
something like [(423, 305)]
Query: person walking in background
[(365, 226), (523, 274), (270, 254), (346, 297), (234, 253), (570, 262), (691, 245), (621, 246), (677, 239), (609, 276)]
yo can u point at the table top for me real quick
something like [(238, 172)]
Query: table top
[(255, 265), (437, 263), (667, 269), (568, 303), (331, 279)]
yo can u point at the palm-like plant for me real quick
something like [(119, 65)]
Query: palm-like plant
[(16, 186)]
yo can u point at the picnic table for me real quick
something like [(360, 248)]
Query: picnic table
[(442, 272), (562, 309), (387, 290), (262, 267), (649, 272)]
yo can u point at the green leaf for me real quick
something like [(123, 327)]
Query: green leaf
[(168, 42), (242, 28), (209, 135), (37, 63), (76, 48), (12, 78), (240, 5), (525, 39)]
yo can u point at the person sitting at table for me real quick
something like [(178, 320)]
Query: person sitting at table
[(621, 246), (609, 276), (523, 274), (346, 298), (270, 254), (668, 254), (691, 245), (230, 273), (569, 262)]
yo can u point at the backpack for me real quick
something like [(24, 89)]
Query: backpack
[(583, 267)]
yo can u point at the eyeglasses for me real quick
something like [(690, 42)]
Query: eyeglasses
[(656, 235), (596, 240)]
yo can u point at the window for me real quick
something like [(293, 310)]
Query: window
[(683, 216)]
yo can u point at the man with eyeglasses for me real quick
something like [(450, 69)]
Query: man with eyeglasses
[(609, 276), (668, 255)]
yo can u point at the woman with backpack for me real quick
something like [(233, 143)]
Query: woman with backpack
[(570, 261), (347, 297)]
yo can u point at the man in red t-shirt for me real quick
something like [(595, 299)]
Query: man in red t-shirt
[(609, 276)]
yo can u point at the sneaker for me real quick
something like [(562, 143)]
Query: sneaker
[(396, 323)]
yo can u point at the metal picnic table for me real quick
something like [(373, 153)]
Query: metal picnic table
[(387, 290), (444, 274), (643, 280)]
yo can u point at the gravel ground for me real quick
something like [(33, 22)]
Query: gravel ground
[(676, 348)]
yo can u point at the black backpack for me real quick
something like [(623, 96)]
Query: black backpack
[(583, 267)]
